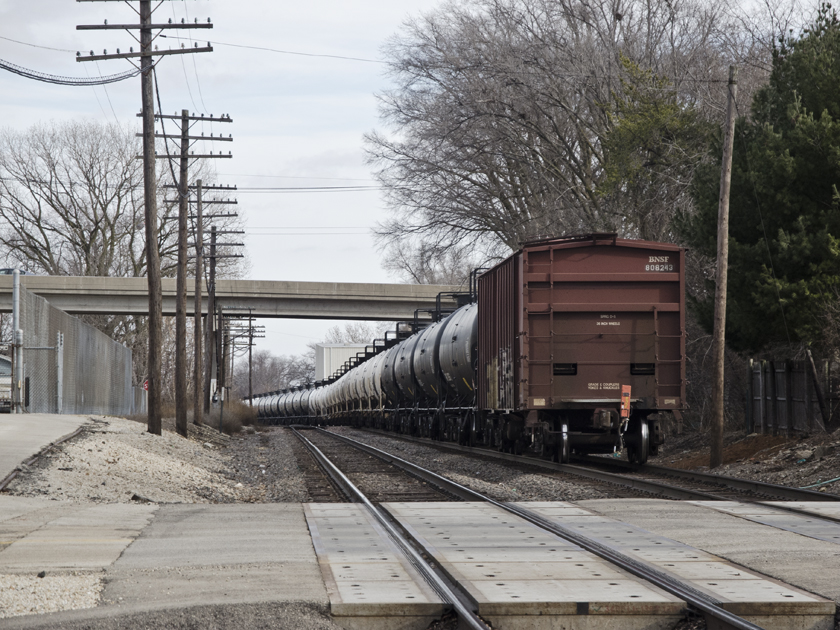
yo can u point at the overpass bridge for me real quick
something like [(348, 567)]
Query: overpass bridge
[(92, 295)]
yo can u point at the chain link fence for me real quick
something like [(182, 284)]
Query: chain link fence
[(71, 367)]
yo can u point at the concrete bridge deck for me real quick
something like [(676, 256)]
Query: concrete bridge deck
[(278, 299)]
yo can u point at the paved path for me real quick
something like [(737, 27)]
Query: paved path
[(23, 435), (189, 562)]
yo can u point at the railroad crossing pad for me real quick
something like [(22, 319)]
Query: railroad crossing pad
[(774, 515), (520, 576), (825, 509), (764, 601), (371, 585)]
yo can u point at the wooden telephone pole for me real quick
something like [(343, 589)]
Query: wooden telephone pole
[(716, 455), (183, 188), (146, 56)]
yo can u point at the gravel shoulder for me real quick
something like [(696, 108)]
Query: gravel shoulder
[(797, 461), (117, 461)]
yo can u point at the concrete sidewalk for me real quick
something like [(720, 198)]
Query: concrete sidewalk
[(180, 561), (25, 434)]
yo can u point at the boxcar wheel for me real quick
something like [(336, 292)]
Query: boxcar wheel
[(638, 446), (564, 449)]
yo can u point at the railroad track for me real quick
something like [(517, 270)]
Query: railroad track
[(380, 481), (697, 601), (670, 483)]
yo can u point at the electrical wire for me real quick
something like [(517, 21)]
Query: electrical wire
[(9, 39), (58, 80), (285, 52), (345, 179), (307, 189)]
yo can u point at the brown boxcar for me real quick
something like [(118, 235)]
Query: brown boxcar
[(565, 324)]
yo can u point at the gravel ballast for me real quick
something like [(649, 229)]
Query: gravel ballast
[(30, 595), (498, 481)]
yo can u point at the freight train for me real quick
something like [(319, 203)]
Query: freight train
[(572, 344)]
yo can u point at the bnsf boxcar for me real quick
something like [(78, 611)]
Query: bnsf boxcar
[(581, 345)]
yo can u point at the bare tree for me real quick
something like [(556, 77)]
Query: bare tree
[(420, 262), (71, 203), (272, 372), (501, 108)]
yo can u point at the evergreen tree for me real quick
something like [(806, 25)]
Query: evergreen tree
[(784, 231)]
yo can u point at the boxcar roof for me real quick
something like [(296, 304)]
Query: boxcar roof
[(587, 240)]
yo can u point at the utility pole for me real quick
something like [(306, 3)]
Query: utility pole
[(716, 454), (181, 282), (198, 393), (241, 332), (211, 317), (146, 55), (214, 316)]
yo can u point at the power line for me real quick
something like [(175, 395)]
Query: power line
[(9, 39), (250, 233), (345, 179), (287, 52), (308, 189), (74, 81)]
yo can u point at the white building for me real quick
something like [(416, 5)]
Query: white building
[(329, 357)]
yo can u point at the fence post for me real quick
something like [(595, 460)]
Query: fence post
[(788, 398), (750, 395), (774, 400), (763, 403), (59, 371), (16, 351)]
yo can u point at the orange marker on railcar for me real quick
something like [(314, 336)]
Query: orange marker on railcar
[(625, 401)]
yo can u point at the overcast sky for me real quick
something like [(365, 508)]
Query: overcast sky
[(298, 120)]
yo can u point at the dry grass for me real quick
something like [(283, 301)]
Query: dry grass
[(748, 447), (236, 415)]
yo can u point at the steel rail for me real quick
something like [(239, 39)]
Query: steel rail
[(639, 484), (795, 494), (465, 615), (709, 606), (662, 489)]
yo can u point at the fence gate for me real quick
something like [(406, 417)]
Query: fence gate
[(783, 397), (43, 377)]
